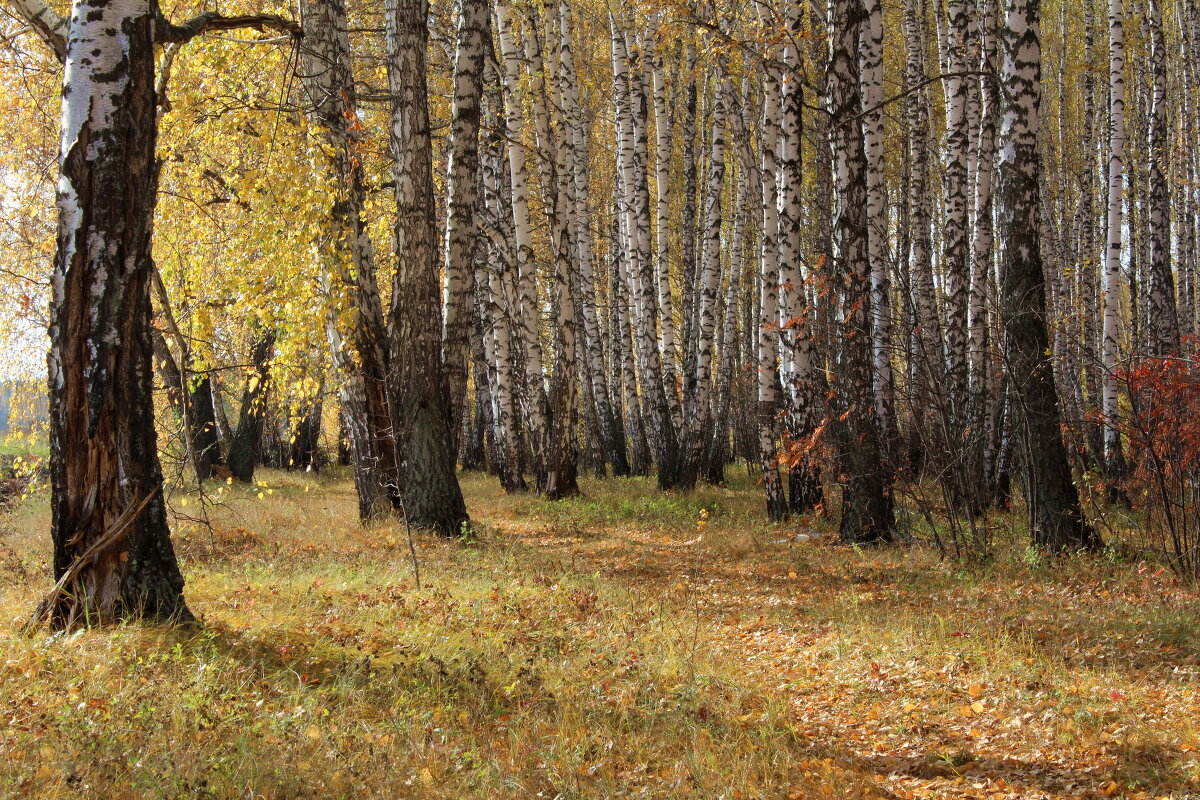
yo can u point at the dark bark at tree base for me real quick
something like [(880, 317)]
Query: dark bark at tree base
[(246, 448), (804, 489), (113, 556), (1056, 519), (206, 445)]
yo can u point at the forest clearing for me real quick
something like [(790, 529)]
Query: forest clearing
[(597, 649)]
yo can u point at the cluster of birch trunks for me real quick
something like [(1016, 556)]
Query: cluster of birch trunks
[(848, 246), (852, 245)]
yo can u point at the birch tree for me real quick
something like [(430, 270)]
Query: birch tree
[(583, 239), (867, 513), (797, 320), (870, 57), (768, 301), (113, 557), (1110, 353), (698, 386), (354, 320), (1056, 519), (462, 189), (431, 494), (643, 286), (533, 394), (1162, 315)]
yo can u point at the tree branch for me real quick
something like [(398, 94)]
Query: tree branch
[(49, 26), (214, 21)]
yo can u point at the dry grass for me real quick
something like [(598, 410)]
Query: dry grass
[(596, 648)]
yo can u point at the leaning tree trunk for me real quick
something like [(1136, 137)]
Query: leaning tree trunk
[(112, 548), (1056, 519), (357, 339), (432, 497), (867, 513)]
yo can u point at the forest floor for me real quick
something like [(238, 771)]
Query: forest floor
[(614, 645)]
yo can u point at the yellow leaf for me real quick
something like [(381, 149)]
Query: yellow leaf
[(977, 707), (312, 732), (426, 776)]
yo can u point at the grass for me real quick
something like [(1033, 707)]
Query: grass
[(612, 645)]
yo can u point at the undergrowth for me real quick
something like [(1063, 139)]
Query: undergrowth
[(622, 644)]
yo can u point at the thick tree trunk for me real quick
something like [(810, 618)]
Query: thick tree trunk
[(112, 548), (432, 497), (1056, 519), (867, 514)]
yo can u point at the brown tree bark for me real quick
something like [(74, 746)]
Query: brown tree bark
[(431, 494)]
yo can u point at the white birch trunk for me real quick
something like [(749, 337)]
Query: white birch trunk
[(1162, 316), (1112, 259), (954, 230), (697, 399), (462, 190), (583, 241), (870, 57), (533, 389), (768, 301)]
